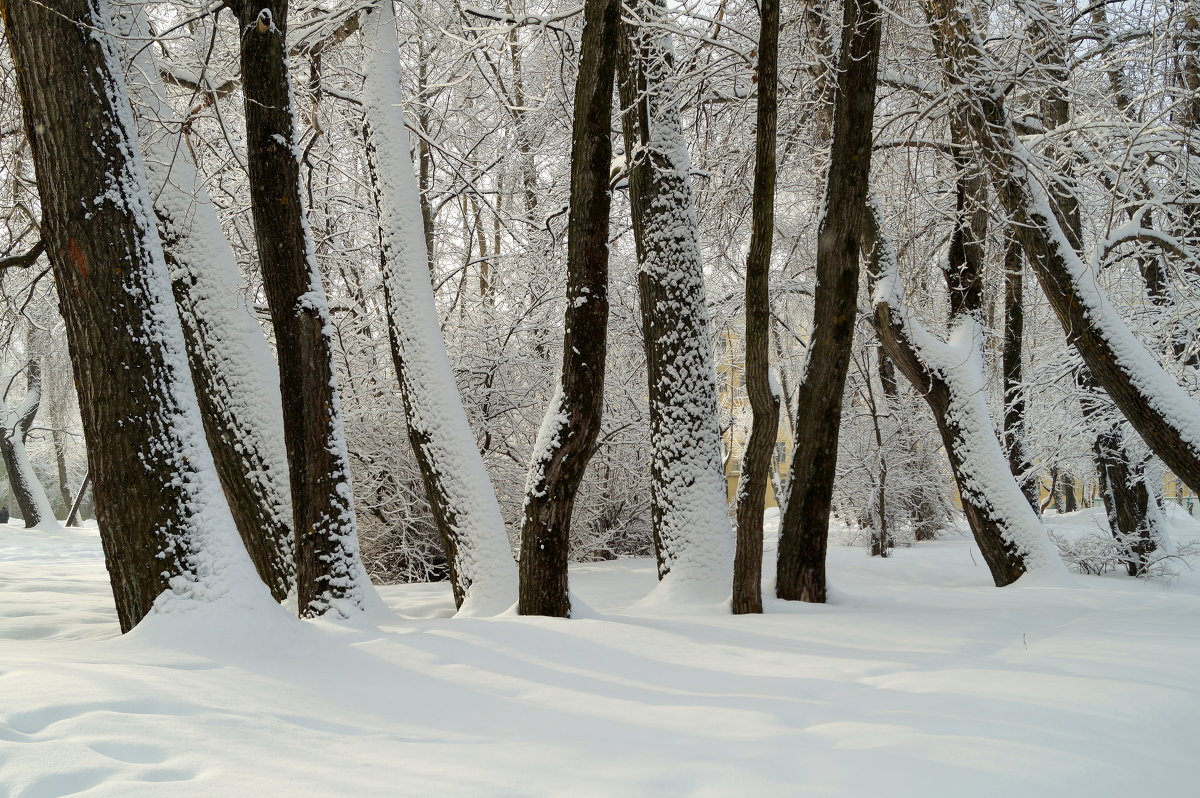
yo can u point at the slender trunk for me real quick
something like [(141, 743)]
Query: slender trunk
[(764, 400), (73, 516), (1012, 357), (568, 436), (237, 380), (457, 485), (329, 573), (164, 525), (691, 524), (804, 531)]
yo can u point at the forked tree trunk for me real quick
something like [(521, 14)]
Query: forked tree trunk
[(329, 574), (27, 489), (569, 432), (237, 380), (804, 531), (692, 534), (164, 524), (950, 378), (1162, 412), (457, 486), (764, 401)]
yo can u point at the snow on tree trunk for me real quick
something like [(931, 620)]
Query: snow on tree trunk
[(804, 528), (692, 532), (571, 426), (234, 371), (330, 578), (1013, 430), (460, 493), (15, 422), (168, 536), (1162, 412), (764, 401), (950, 376)]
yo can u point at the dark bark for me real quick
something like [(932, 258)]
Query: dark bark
[(945, 400), (764, 402), (1012, 357), (1043, 238), (556, 477), (327, 570), (114, 297), (804, 532), (73, 516)]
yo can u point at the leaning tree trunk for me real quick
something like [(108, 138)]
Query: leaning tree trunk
[(237, 380), (329, 574), (568, 435), (950, 377), (1127, 500), (14, 431), (1162, 412), (764, 400), (164, 524), (691, 525), (804, 531), (460, 494)]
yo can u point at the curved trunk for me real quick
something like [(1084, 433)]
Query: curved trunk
[(164, 524), (27, 489), (572, 423), (457, 486), (950, 377), (764, 401), (1162, 412), (234, 371)]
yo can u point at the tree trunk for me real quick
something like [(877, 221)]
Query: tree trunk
[(237, 380), (164, 525), (1159, 409), (73, 516), (764, 401), (329, 574), (691, 524), (950, 377), (568, 436), (1013, 426), (457, 485), (804, 531), (27, 489)]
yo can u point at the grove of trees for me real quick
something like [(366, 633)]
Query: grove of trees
[(297, 296)]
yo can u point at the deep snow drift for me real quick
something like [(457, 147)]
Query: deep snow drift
[(918, 679)]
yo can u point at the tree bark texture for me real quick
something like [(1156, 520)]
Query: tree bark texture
[(1137, 384), (804, 531), (164, 525), (572, 424), (691, 524), (232, 366), (329, 574), (764, 402)]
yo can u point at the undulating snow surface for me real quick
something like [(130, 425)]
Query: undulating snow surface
[(918, 679)]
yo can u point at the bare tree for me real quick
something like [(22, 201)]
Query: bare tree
[(570, 430), (804, 531)]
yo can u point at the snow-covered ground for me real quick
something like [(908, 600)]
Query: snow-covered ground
[(919, 678)]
